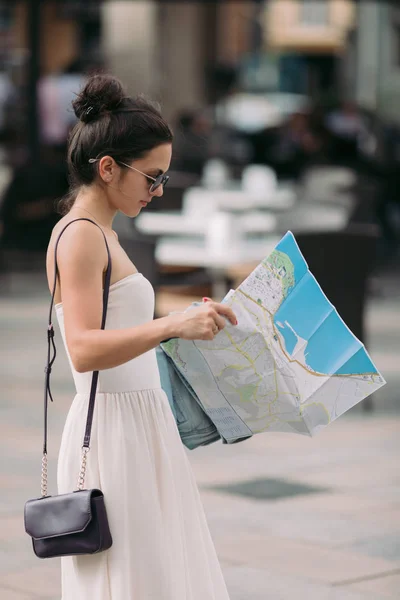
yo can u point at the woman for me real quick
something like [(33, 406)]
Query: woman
[(162, 550)]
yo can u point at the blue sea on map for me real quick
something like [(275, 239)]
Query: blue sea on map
[(306, 313)]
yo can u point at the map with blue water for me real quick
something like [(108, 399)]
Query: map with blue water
[(291, 364), (306, 314)]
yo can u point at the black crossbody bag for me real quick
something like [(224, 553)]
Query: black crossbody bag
[(74, 523)]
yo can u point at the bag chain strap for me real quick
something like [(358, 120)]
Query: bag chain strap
[(50, 361)]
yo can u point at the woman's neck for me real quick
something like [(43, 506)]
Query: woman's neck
[(96, 205)]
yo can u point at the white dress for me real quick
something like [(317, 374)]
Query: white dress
[(162, 548)]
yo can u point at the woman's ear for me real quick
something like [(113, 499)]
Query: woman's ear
[(107, 168)]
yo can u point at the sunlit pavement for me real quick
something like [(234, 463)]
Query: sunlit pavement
[(292, 517)]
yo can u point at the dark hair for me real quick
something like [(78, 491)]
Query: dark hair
[(110, 123)]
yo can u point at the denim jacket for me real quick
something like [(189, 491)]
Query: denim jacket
[(194, 425)]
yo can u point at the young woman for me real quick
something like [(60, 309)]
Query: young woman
[(118, 155)]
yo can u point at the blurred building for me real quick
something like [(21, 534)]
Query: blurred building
[(374, 57), (189, 54), (306, 26), (67, 30), (39, 40), (310, 38), (170, 49)]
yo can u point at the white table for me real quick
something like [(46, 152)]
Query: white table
[(178, 251), (314, 217), (200, 200), (176, 223)]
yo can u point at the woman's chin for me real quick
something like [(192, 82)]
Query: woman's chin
[(132, 212)]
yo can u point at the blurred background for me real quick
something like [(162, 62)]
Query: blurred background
[(286, 115)]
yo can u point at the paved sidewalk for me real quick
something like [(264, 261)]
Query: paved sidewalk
[(293, 518)]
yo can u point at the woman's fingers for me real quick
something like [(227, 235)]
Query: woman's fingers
[(225, 311), (219, 321)]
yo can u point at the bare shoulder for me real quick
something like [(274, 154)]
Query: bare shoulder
[(81, 246), (79, 230)]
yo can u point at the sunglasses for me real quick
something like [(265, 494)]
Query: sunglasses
[(154, 182), (157, 181)]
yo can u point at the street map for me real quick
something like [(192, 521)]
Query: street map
[(290, 365)]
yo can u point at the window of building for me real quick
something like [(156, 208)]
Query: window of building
[(314, 12)]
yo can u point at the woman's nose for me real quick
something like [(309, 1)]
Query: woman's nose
[(158, 192)]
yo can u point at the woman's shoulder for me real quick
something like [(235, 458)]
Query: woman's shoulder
[(81, 228), (81, 249), (82, 239)]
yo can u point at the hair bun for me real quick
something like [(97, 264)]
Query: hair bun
[(101, 94)]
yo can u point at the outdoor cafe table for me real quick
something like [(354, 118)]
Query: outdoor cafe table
[(234, 198), (176, 223), (196, 253)]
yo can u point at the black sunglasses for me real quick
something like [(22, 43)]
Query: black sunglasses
[(161, 179)]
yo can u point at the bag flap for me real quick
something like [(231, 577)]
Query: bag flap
[(59, 515)]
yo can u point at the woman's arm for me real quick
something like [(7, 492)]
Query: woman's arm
[(82, 259)]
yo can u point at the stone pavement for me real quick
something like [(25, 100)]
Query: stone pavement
[(293, 518)]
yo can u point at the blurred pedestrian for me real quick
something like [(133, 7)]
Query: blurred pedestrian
[(28, 211), (347, 128), (56, 91), (297, 146), (192, 142)]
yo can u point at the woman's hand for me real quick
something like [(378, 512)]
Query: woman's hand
[(203, 322)]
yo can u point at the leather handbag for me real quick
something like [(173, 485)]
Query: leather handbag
[(74, 523)]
